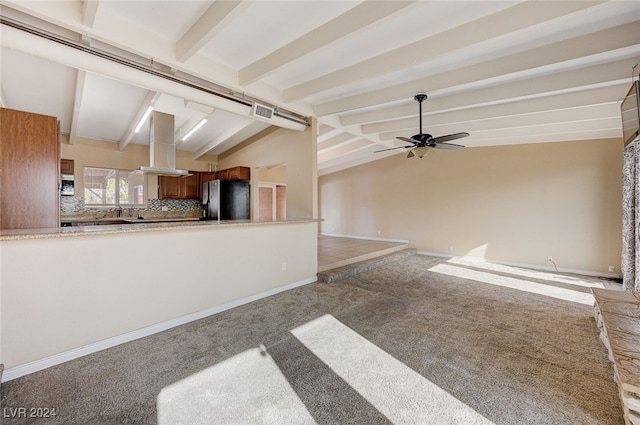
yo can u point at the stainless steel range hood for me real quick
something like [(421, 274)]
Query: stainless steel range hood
[(162, 147)]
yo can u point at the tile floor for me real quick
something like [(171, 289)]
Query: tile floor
[(336, 251)]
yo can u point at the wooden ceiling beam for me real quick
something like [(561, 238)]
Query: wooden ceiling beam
[(89, 12), (544, 92), (217, 16), (616, 43), (150, 100), (522, 107), (357, 18), (228, 133), (77, 105), (515, 18), (443, 124)]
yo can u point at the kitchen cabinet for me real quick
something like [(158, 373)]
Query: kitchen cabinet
[(207, 176), (190, 186), (30, 170), (239, 173), (222, 174), (66, 166), (170, 187), (235, 173)]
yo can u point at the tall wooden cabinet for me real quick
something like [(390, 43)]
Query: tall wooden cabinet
[(29, 170)]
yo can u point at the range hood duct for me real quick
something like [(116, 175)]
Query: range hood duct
[(162, 147)]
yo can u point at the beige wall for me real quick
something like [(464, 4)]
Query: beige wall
[(273, 174), (519, 203), (294, 149), (94, 153)]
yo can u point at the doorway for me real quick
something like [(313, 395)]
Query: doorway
[(272, 193)]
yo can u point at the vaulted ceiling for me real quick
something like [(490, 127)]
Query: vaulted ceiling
[(507, 72)]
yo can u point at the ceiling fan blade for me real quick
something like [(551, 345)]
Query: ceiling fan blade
[(390, 149), (422, 142), (450, 137), (406, 139), (449, 146)]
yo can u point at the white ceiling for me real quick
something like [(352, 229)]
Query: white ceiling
[(507, 72)]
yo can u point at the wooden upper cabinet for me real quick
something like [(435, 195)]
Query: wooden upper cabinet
[(239, 173), (30, 170), (207, 176), (191, 186), (235, 173), (222, 174), (66, 166), (170, 187)]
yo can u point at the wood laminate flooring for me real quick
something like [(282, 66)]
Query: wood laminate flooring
[(334, 251)]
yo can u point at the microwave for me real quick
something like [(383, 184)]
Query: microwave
[(67, 185)]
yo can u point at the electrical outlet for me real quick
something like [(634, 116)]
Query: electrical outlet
[(612, 269), (451, 248), (550, 258), (284, 266), (378, 232)]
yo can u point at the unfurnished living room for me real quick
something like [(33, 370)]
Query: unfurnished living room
[(319, 212)]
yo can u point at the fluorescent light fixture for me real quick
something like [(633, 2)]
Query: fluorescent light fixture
[(194, 129), (143, 119)]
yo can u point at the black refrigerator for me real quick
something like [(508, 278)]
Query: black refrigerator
[(226, 200)]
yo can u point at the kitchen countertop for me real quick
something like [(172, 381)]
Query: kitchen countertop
[(107, 220), (135, 226)]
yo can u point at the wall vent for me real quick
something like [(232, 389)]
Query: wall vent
[(262, 111)]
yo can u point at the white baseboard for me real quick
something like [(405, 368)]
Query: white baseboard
[(525, 265), (364, 238), (25, 369), (506, 263)]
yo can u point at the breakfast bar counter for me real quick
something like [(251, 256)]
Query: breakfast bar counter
[(135, 226), (119, 282)]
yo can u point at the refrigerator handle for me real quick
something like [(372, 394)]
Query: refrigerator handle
[(205, 193)]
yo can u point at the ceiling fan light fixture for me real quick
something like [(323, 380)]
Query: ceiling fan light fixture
[(421, 151), (422, 142)]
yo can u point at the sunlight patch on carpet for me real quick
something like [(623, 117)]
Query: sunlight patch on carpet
[(527, 273), (514, 283), (398, 392), (248, 388)]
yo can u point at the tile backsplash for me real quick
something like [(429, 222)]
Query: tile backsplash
[(73, 206)]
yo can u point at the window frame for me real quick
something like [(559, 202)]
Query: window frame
[(118, 172)]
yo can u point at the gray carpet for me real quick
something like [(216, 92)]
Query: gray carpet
[(390, 345)]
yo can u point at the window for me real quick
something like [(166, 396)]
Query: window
[(110, 187)]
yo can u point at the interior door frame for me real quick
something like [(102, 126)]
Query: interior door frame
[(274, 206)]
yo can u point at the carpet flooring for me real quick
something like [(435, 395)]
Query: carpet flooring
[(419, 340)]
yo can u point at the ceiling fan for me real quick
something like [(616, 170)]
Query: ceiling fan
[(422, 142)]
